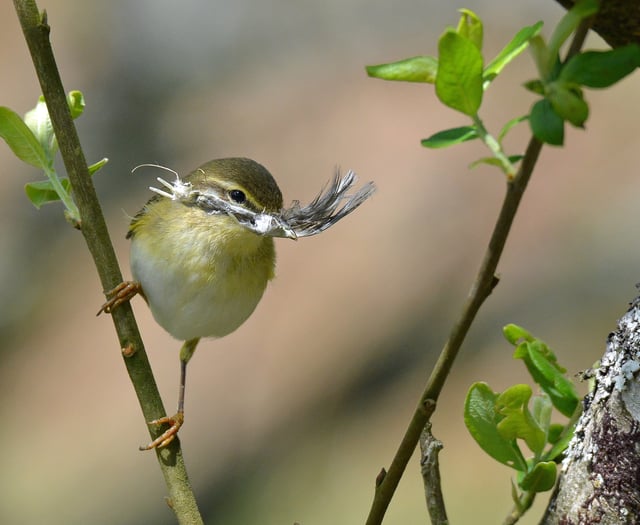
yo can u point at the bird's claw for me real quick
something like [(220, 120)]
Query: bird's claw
[(125, 291), (168, 435)]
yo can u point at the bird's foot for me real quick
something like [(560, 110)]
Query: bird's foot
[(168, 435), (125, 291)]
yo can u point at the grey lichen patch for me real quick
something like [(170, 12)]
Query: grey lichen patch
[(599, 481)]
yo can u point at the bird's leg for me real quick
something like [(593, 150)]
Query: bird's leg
[(125, 291), (176, 421)]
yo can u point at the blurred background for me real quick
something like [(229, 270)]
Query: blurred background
[(292, 417)]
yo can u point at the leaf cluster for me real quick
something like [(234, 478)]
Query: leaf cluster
[(500, 421), (33, 141), (560, 83), (460, 77)]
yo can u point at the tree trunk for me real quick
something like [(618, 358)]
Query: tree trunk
[(600, 476), (618, 21)]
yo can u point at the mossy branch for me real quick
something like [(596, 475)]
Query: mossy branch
[(93, 227)]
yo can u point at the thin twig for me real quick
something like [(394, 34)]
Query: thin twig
[(93, 226), (526, 500), (483, 284), (430, 468)]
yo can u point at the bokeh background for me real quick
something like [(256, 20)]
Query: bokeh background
[(292, 417)]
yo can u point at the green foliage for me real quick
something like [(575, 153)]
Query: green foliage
[(470, 28), (568, 24), (540, 478), (414, 69), (561, 83), (20, 139), (42, 191), (33, 141), (501, 422), (460, 81), (482, 419), (517, 421), (546, 124), (600, 69), (445, 138), (517, 45), (459, 78), (498, 421)]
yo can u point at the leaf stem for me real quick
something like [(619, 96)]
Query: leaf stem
[(525, 501), (93, 227), (495, 147), (72, 210)]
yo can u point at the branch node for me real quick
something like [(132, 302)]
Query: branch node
[(380, 477), (429, 407), (129, 350)]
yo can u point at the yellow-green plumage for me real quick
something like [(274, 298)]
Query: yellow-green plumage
[(203, 274)]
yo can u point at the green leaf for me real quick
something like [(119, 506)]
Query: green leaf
[(546, 124), (470, 27), (510, 125), (481, 419), (541, 57), (546, 372), (75, 100), (518, 423), (535, 86), (492, 161), (569, 23), (40, 124), (21, 139), (601, 69), (521, 351), (42, 192), (459, 78), (550, 376), (555, 433), (561, 443), (517, 45), (97, 166), (568, 103), (541, 478), (541, 412), (414, 69), (449, 137), (514, 334)]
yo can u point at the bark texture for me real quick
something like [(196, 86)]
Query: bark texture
[(618, 21), (600, 477)]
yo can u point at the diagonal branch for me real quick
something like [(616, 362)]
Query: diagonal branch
[(93, 227), (483, 285)]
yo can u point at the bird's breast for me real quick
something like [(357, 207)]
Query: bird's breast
[(203, 280)]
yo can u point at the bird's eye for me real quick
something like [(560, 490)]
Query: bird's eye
[(237, 196)]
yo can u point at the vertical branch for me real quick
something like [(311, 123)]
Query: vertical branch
[(93, 227)]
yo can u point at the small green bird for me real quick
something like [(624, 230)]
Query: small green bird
[(202, 251)]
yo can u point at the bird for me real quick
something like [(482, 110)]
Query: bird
[(202, 251)]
